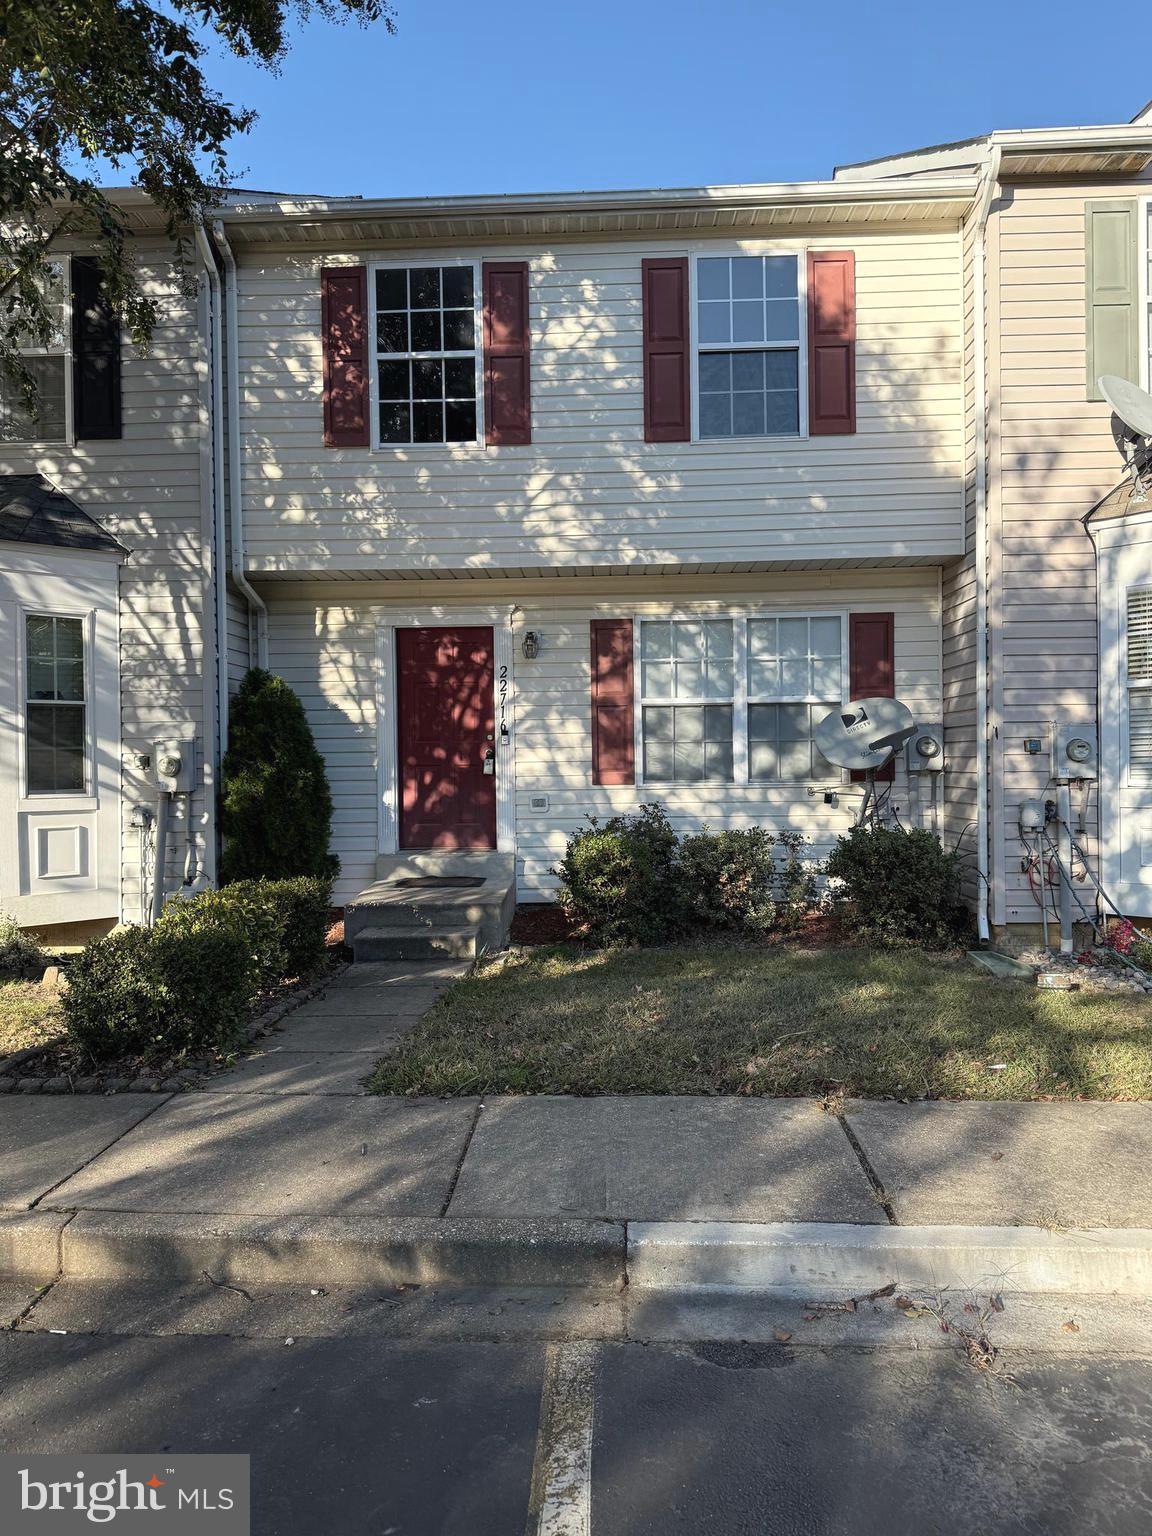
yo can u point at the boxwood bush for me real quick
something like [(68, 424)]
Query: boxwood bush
[(897, 887), (159, 992), (726, 878), (619, 876), (21, 958)]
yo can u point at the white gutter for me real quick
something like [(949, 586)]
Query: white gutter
[(235, 479), (219, 563), (983, 745)]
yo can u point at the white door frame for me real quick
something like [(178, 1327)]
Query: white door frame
[(388, 621)]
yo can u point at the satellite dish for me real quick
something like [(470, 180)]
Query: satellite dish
[(866, 733), (1131, 404)]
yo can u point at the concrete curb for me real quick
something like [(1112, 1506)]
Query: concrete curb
[(364, 1250), (797, 1259), (802, 1258), (30, 1243)]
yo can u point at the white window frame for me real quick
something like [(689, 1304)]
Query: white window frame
[(740, 698), (374, 373), (17, 444), (1144, 288), (801, 346), (86, 618)]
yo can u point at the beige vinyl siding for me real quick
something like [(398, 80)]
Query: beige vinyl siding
[(146, 490), (1053, 459), (589, 492), (958, 590), (326, 647)]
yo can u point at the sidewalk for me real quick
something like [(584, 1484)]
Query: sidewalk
[(285, 1165)]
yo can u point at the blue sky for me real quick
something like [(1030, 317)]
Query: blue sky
[(529, 97)]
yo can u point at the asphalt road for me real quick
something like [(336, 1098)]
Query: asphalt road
[(403, 1437)]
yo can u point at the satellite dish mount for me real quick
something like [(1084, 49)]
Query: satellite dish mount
[(865, 735), (1131, 429)]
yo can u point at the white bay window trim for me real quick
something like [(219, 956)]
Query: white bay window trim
[(409, 263), (739, 697)]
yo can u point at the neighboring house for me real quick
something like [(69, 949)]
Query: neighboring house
[(554, 505)]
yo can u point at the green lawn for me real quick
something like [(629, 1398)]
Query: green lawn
[(29, 1015), (714, 1020)]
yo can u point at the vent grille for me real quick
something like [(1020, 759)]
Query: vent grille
[(1140, 633)]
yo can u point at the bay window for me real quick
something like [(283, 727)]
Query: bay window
[(55, 705), (736, 699), (748, 346)]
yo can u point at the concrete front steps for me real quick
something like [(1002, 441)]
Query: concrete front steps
[(392, 920)]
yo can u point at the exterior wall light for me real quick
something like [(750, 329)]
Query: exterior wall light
[(530, 645)]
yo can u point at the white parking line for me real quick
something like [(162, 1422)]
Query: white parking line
[(562, 1474)]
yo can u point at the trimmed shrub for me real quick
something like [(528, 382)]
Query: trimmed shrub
[(21, 958), (283, 923), (275, 804), (898, 887), (619, 876), (795, 887), (726, 878), (245, 909), (159, 992)]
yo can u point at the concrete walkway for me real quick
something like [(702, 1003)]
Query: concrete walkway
[(290, 1135)]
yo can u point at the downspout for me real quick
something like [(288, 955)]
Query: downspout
[(255, 602), (219, 565), (983, 746)]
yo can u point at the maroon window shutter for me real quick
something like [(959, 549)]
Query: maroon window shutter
[(507, 349), (344, 329), (667, 411), (613, 742), (831, 342), (872, 665)]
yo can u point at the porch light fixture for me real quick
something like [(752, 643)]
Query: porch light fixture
[(530, 645)]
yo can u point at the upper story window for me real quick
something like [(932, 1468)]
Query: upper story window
[(47, 363), (748, 346), (426, 346), (55, 705)]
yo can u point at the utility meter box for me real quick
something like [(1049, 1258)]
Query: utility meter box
[(174, 765), (924, 751), (1074, 754)]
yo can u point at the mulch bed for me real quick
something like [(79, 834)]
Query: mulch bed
[(544, 923), (62, 1067)]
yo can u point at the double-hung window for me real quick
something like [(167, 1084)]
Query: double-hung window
[(56, 705), (748, 346), (426, 354), (737, 699), (47, 363)]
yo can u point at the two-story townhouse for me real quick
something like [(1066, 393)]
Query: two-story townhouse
[(557, 505), (1046, 617), (553, 505)]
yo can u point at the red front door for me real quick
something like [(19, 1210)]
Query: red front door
[(446, 726)]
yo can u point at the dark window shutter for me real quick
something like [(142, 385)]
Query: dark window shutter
[(507, 354), (95, 354), (667, 409), (831, 342), (344, 328), (872, 665), (613, 742)]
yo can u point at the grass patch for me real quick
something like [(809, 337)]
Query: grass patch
[(29, 1015), (719, 1020)]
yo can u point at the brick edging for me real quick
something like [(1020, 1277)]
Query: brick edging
[(13, 1080)]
